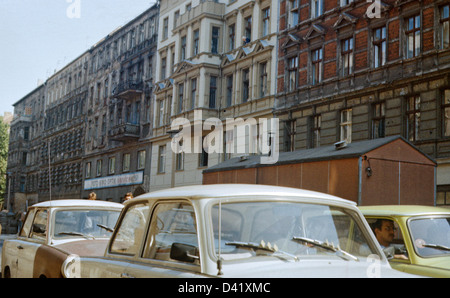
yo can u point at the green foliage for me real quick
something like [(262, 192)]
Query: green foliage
[(4, 143)]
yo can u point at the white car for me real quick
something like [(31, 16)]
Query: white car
[(54, 230), (237, 230)]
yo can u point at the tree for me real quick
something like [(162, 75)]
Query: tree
[(4, 143)]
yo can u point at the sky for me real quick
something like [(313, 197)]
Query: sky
[(39, 37)]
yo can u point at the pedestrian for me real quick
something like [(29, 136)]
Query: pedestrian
[(128, 197)]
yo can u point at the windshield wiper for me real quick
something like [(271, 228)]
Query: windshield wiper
[(76, 234), (105, 228), (437, 246), (264, 247), (328, 246)]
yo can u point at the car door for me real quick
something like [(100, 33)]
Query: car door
[(28, 244)]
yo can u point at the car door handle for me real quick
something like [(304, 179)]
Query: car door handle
[(126, 275), (19, 247)]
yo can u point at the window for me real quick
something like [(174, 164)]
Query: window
[(196, 42), (183, 48), (247, 29), (229, 90), (39, 228), (316, 66), (413, 118), (412, 36), (193, 92), (315, 126), (126, 162), (111, 165), (130, 233), (266, 22), (316, 8), (215, 40), (180, 97), (166, 28), (378, 120), (172, 224), (180, 161), (347, 56), (203, 157), (231, 37), (293, 13), (346, 125), (289, 135), (292, 73), (163, 68), (141, 159), (245, 84), (212, 92), (445, 27), (161, 158), (263, 79), (379, 47), (446, 113), (99, 167), (161, 113), (88, 170)]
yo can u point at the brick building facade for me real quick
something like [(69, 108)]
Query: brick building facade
[(356, 70)]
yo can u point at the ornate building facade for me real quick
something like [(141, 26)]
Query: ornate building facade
[(357, 70)]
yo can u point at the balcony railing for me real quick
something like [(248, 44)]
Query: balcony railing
[(129, 89), (125, 132)]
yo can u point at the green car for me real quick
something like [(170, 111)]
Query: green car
[(419, 238)]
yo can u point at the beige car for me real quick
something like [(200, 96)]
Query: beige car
[(54, 230), (237, 230)]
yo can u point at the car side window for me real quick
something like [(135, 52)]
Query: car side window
[(129, 235), (25, 232), (39, 227), (173, 233)]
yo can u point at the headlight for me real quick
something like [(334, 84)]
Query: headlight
[(71, 267)]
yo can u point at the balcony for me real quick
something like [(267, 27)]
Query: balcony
[(129, 90), (125, 132)]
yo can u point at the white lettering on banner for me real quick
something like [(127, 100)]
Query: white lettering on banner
[(113, 181)]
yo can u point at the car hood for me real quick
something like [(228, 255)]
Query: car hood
[(84, 247), (438, 262), (312, 268)]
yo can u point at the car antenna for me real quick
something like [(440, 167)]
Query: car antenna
[(219, 259)]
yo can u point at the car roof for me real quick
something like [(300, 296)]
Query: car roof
[(238, 190), (402, 210), (78, 203)]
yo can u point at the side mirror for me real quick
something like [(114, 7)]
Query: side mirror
[(184, 252), (389, 252)]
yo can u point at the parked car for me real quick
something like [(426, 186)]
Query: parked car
[(54, 230), (421, 241), (237, 230)]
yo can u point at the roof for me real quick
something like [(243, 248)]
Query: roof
[(351, 150), (235, 190), (78, 203), (403, 210)]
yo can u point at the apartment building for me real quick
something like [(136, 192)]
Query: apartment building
[(216, 61), (87, 128), (358, 70), (118, 118)]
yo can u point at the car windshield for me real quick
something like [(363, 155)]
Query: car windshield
[(431, 235), (88, 224), (288, 230)]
